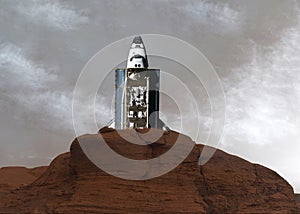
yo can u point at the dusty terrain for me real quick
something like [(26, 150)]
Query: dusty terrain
[(226, 184)]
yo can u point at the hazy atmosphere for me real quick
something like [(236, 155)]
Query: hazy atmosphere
[(253, 45)]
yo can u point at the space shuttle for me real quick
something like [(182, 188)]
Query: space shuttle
[(137, 92)]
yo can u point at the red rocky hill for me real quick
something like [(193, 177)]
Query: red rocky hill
[(226, 184)]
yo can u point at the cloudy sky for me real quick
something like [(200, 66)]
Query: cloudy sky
[(253, 45)]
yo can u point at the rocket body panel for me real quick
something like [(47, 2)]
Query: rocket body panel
[(153, 94), (120, 77)]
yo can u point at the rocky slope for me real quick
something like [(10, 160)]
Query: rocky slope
[(297, 199), (226, 184), (15, 177)]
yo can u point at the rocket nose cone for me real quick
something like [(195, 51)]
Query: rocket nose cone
[(137, 40), (137, 57)]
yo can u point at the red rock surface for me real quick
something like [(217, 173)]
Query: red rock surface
[(297, 199), (14, 177), (226, 184)]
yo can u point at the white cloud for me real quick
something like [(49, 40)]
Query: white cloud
[(30, 88), (25, 83), (14, 63), (215, 13), (263, 99), (52, 13), (264, 95)]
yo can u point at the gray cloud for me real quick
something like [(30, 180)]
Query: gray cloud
[(220, 14), (21, 70), (26, 84), (263, 95), (52, 13), (263, 105)]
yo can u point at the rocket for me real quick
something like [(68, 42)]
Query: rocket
[(137, 92)]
